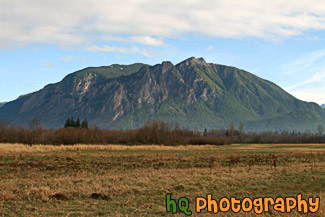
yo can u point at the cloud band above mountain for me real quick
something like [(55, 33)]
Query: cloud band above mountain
[(69, 22)]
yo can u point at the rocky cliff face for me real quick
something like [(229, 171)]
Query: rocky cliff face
[(193, 93)]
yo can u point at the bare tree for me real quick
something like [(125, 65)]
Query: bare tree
[(241, 131), (35, 124), (3, 127), (34, 131), (232, 129), (320, 129)]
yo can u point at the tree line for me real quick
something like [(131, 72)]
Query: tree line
[(153, 132), (70, 122)]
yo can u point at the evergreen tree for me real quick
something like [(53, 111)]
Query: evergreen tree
[(78, 123), (205, 133), (84, 123), (73, 123), (67, 123)]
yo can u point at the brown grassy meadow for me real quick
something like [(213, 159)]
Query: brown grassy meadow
[(45, 180)]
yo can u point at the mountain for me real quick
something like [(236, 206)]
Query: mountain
[(323, 105), (1, 104), (193, 93)]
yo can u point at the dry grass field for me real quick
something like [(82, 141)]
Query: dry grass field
[(115, 180)]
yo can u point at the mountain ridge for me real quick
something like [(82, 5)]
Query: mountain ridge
[(194, 93)]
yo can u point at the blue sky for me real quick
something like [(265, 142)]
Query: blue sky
[(42, 41)]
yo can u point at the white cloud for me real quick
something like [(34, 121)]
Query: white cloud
[(48, 64), (70, 22), (306, 61), (114, 38), (317, 77), (113, 49), (210, 47), (67, 59), (148, 40), (310, 95), (32, 85)]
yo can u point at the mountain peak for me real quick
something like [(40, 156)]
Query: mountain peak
[(193, 61), (167, 64)]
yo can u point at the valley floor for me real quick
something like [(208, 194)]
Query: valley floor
[(115, 180)]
